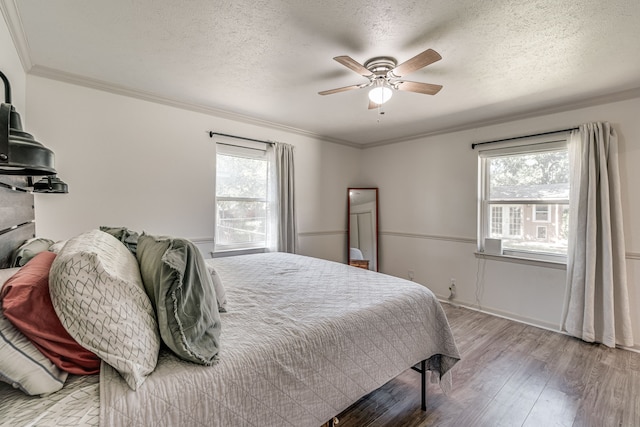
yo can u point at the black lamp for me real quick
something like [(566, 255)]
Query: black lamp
[(20, 153), (51, 184)]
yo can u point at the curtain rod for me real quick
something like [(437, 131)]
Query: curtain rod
[(473, 146), (211, 133)]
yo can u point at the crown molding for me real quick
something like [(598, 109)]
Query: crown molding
[(12, 18), (538, 112), (63, 76), (75, 79), (53, 74), (16, 30)]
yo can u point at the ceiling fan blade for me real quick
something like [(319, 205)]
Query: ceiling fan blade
[(373, 105), (354, 65), (421, 60), (342, 89), (426, 88)]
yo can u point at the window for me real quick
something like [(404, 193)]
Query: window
[(541, 232), (522, 185), (241, 197), (515, 221), (541, 213), (496, 220)]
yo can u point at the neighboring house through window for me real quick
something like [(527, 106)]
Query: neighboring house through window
[(524, 184)]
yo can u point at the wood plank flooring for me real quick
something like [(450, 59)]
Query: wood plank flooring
[(512, 374)]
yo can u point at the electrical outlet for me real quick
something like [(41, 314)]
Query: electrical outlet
[(411, 274)]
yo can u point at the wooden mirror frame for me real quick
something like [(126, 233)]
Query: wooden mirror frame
[(374, 266)]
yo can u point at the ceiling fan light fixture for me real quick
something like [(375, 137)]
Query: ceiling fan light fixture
[(384, 76), (380, 94)]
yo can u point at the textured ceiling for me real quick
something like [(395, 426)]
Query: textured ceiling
[(267, 59)]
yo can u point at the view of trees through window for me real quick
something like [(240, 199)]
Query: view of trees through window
[(527, 191), (241, 195)]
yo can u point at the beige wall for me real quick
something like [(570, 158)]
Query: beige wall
[(12, 68), (428, 221), (151, 167)]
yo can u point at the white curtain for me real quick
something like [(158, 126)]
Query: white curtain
[(596, 307), (283, 234)]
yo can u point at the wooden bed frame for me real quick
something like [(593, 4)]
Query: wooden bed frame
[(17, 216), (422, 368)]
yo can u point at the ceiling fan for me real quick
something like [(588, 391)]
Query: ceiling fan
[(385, 74)]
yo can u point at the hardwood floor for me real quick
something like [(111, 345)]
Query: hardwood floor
[(512, 374)]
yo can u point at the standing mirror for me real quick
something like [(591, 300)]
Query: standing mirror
[(363, 228)]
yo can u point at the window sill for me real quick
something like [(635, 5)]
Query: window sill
[(520, 260), (235, 252)]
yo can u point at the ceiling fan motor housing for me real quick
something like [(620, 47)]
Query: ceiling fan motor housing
[(381, 65)]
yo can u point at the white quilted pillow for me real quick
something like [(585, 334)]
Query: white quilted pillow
[(21, 363), (98, 294), (23, 366)]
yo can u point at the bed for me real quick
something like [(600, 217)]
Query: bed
[(302, 339)]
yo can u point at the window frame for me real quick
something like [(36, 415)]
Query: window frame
[(515, 221), (497, 212), (247, 150), (541, 228), (546, 143), (547, 212)]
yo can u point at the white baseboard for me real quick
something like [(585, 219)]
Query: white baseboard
[(520, 319)]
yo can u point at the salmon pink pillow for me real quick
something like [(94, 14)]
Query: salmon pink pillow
[(27, 304)]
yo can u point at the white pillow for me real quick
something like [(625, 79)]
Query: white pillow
[(98, 294), (21, 363), (55, 248), (23, 366)]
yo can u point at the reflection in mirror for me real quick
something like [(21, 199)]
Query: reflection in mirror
[(363, 228)]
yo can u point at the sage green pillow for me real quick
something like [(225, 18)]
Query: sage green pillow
[(178, 283), (29, 249), (128, 237)]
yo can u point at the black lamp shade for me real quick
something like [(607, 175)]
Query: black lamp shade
[(20, 153), (51, 184)]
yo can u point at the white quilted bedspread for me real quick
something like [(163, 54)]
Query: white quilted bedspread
[(75, 405), (302, 339)]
